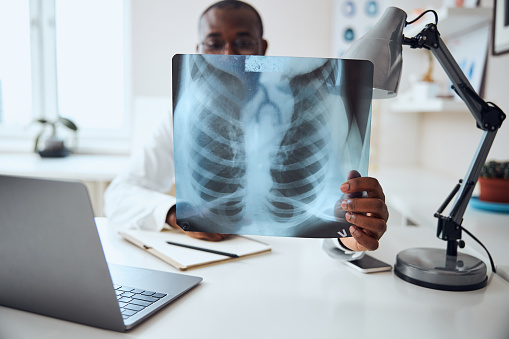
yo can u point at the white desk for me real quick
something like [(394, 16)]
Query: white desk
[(417, 194), (96, 171), (296, 291)]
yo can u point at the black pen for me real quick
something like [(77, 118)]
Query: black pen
[(231, 255)]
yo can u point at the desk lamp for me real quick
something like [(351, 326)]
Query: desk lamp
[(430, 267)]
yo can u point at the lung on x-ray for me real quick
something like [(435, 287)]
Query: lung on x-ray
[(262, 144)]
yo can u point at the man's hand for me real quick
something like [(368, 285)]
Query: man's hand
[(171, 219), (368, 214)]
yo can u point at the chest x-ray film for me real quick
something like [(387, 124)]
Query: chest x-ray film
[(263, 144)]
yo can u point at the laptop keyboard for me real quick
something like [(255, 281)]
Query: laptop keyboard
[(132, 300)]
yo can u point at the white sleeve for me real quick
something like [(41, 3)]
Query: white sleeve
[(335, 250), (137, 197)]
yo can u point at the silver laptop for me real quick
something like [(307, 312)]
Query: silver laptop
[(52, 261)]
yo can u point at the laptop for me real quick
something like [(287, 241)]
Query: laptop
[(52, 262)]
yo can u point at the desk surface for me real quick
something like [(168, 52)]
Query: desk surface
[(296, 291), (76, 166), (417, 194), (96, 171)]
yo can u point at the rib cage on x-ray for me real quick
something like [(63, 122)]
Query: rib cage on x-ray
[(218, 153), (218, 157), (299, 168), (262, 143)]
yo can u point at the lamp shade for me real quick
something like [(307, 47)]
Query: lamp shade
[(382, 46)]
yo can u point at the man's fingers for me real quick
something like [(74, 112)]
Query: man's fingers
[(353, 174), (365, 240), (171, 219), (207, 236), (373, 226), (376, 207), (361, 184)]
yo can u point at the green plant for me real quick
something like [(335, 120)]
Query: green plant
[(53, 125), (495, 169)]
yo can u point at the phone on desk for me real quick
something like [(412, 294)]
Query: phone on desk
[(368, 264)]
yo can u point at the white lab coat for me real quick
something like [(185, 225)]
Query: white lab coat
[(137, 197)]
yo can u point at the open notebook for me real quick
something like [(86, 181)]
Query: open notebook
[(183, 258)]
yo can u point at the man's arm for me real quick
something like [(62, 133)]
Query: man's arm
[(171, 220), (137, 197)]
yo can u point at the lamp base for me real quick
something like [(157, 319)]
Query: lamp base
[(433, 268)]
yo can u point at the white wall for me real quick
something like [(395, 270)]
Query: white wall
[(497, 85), (162, 28), (440, 142)]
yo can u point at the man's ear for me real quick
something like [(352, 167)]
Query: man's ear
[(265, 45)]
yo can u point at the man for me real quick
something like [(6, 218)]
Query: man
[(137, 196)]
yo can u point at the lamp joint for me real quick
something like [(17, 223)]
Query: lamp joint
[(492, 116), (428, 38), (448, 229)]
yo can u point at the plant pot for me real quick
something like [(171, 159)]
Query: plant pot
[(59, 153), (54, 147), (494, 190)]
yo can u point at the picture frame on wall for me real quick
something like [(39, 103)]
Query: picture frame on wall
[(500, 27)]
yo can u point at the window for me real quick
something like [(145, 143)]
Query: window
[(67, 58), (15, 69), (90, 62)]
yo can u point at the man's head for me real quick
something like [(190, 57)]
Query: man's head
[(231, 27)]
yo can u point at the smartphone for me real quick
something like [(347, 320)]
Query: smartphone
[(368, 264)]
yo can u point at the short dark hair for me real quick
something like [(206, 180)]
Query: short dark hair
[(234, 4)]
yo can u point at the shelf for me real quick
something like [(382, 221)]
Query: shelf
[(453, 21), (431, 105)]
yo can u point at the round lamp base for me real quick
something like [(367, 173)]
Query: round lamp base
[(433, 268)]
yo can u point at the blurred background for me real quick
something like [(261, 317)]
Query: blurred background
[(106, 66)]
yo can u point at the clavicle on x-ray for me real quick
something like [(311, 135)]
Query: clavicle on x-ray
[(262, 144)]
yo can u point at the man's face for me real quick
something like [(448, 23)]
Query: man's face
[(232, 32)]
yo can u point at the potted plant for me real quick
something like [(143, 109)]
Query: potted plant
[(494, 182), (50, 144)]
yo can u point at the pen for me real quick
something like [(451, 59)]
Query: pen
[(231, 255)]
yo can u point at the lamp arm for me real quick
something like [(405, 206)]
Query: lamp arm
[(488, 116), (473, 173)]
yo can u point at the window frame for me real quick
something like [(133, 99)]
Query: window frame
[(43, 56)]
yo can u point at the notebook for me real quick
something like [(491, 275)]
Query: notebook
[(184, 252), (52, 262)]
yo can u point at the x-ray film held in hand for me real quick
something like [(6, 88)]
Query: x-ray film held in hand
[(262, 144)]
